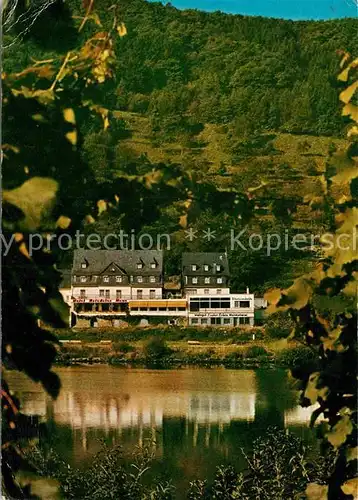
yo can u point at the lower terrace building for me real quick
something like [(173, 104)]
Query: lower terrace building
[(221, 310), (109, 288)]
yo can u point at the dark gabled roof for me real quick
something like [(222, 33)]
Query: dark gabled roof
[(100, 260), (204, 258), (65, 278)]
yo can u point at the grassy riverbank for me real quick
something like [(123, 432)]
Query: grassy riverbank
[(177, 347)]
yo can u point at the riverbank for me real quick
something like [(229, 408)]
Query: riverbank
[(179, 348)]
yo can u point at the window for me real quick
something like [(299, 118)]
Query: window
[(218, 291), (219, 280), (244, 303), (194, 305), (83, 265), (139, 294), (118, 279), (206, 291), (94, 278), (152, 294), (106, 279), (194, 280), (82, 294), (194, 267), (194, 321), (162, 308), (83, 279), (204, 321), (236, 303), (134, 308), (140, 279), (172, 308), (143, 309), (153, 265), (108, 294), (74, 278), (206, 267), (152, 279), (215, 304), (218, 267), (206, 280), (181, 308), (118, 294), (101, 293), (139, 265), (226, 321)]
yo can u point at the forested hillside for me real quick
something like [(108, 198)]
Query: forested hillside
[(232, 101)]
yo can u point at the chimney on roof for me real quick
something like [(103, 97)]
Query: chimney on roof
[(247, 290)]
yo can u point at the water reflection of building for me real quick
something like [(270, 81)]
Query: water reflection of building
[(109, 411), (191, 406), (300, 415)]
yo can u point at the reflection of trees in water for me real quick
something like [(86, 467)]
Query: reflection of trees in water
[(273, 397)]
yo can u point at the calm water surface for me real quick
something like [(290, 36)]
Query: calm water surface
[(194, 419)]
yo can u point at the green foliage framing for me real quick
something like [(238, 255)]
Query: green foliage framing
[(49, 189), (323, 306)]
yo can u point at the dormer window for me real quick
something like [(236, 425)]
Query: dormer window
[(194, 267), (106, 279), (153, 265), (140, 265), (218, 267), (84, 265), (206, 267), (118, 279), (83, 279), (140, 279)]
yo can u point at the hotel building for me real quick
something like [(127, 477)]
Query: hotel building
[(111, 287)]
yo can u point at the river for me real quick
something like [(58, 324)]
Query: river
[(193, 419)]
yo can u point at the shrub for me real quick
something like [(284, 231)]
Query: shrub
[(237, 354), (297, 357), (278, 326), (124, 347), (106, 478), (254, 351), (279, 467), (156, 348)]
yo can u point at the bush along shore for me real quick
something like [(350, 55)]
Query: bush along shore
[(168, 348), (281, 458)]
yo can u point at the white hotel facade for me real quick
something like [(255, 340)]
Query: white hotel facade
[(108, 287)]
